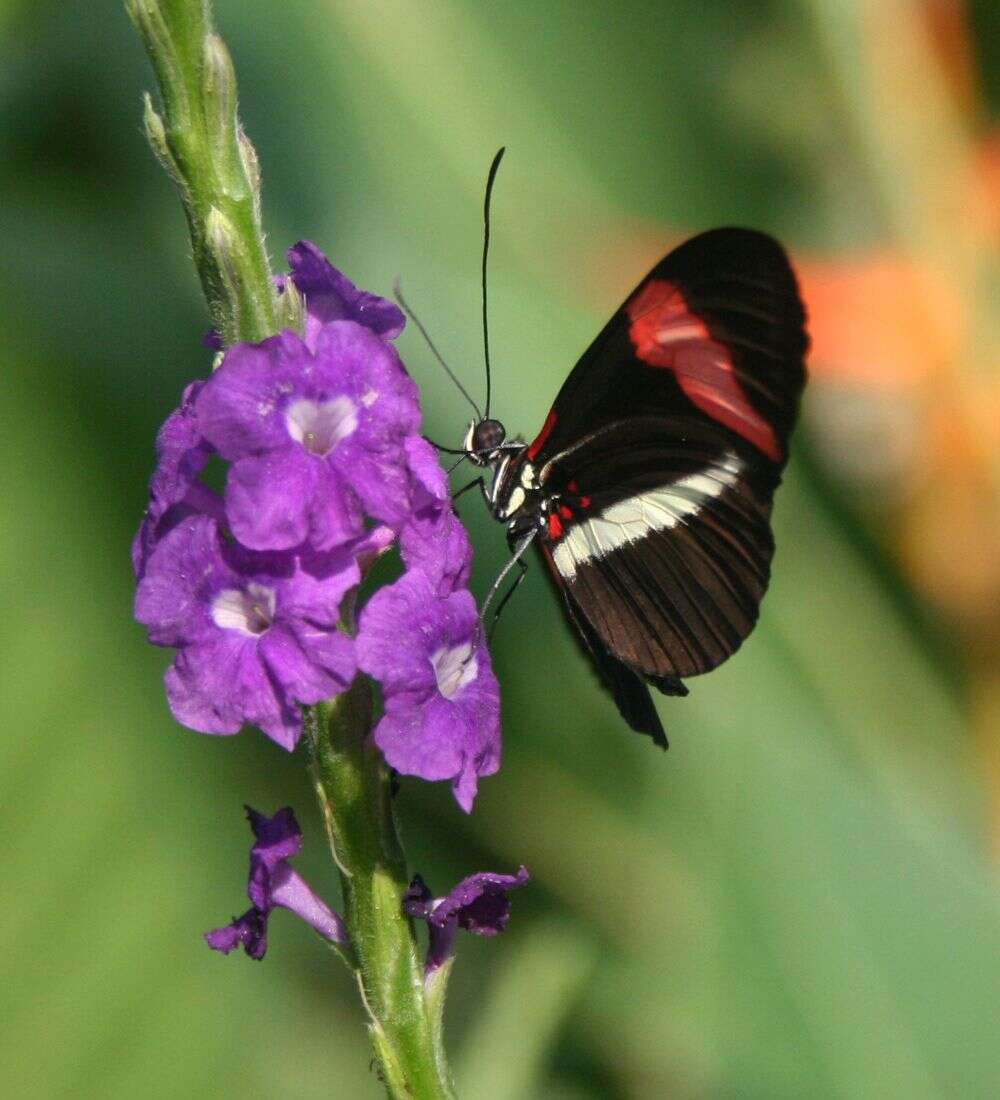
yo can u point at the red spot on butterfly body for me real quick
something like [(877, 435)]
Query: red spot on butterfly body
[(665, 333), (543, 435)]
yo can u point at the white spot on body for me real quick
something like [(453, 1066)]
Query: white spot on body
[(631, 519), (454, 667), (247, 610), (320, 425), (514, 501)]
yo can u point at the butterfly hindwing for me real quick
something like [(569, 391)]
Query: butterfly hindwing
[(667, 552), (630, 693)]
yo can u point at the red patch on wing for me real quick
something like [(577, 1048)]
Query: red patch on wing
[(555, 527), (667, 334), (543, 435)]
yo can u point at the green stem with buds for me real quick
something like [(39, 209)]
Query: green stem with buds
[(198, 139)]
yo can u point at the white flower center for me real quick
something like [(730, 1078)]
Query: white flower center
[(249, 610), (320, 425), (454, 667)]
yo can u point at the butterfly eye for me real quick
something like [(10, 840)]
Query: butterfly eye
[(488, 435)]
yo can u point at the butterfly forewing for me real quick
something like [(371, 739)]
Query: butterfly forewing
[(715, 330)]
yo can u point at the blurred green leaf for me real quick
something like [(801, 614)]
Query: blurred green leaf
[(535, 982)]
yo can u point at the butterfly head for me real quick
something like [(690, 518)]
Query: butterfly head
[(484, 440)]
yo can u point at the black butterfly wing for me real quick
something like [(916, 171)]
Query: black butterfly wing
[(661, 456), (626, 687), (715, 330), (664, 541)]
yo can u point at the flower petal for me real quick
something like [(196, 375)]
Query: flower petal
[(248, 932), (269, 498), (240, 408), (335, 516), (217, 686), (391, 644), (291, 891), (480, 902), (172, 597), (296, 667), (275, 838)]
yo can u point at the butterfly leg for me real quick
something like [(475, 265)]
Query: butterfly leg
[(523, 545), (465, 488), (522, 566)]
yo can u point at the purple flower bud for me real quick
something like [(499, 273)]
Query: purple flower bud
[(479, 904), (442, 701), (272, 883)]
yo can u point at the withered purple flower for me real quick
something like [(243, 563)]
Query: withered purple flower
[(273, 883), (331, 296), (479, 904)]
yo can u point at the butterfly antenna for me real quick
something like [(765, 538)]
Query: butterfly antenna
[(446, 450), (398, 295), (486, 251)]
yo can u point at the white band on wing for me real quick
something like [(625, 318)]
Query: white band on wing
[(633, 518)]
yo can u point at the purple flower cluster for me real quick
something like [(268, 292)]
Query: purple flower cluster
[(327, 469)]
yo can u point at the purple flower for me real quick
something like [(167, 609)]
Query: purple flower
[(433, 539), (479, 904), (442, 701), (331, 296), (315, 437), (256, 633), (273, 883), (174, 491)]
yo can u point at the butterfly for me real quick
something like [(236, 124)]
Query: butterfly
[(648, 489)]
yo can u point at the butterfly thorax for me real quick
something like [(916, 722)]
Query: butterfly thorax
[(512, 492)]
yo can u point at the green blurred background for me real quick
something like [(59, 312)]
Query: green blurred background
[(800, 898)]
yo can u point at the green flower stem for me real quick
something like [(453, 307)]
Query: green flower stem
[(199, 141), (353, 786)]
